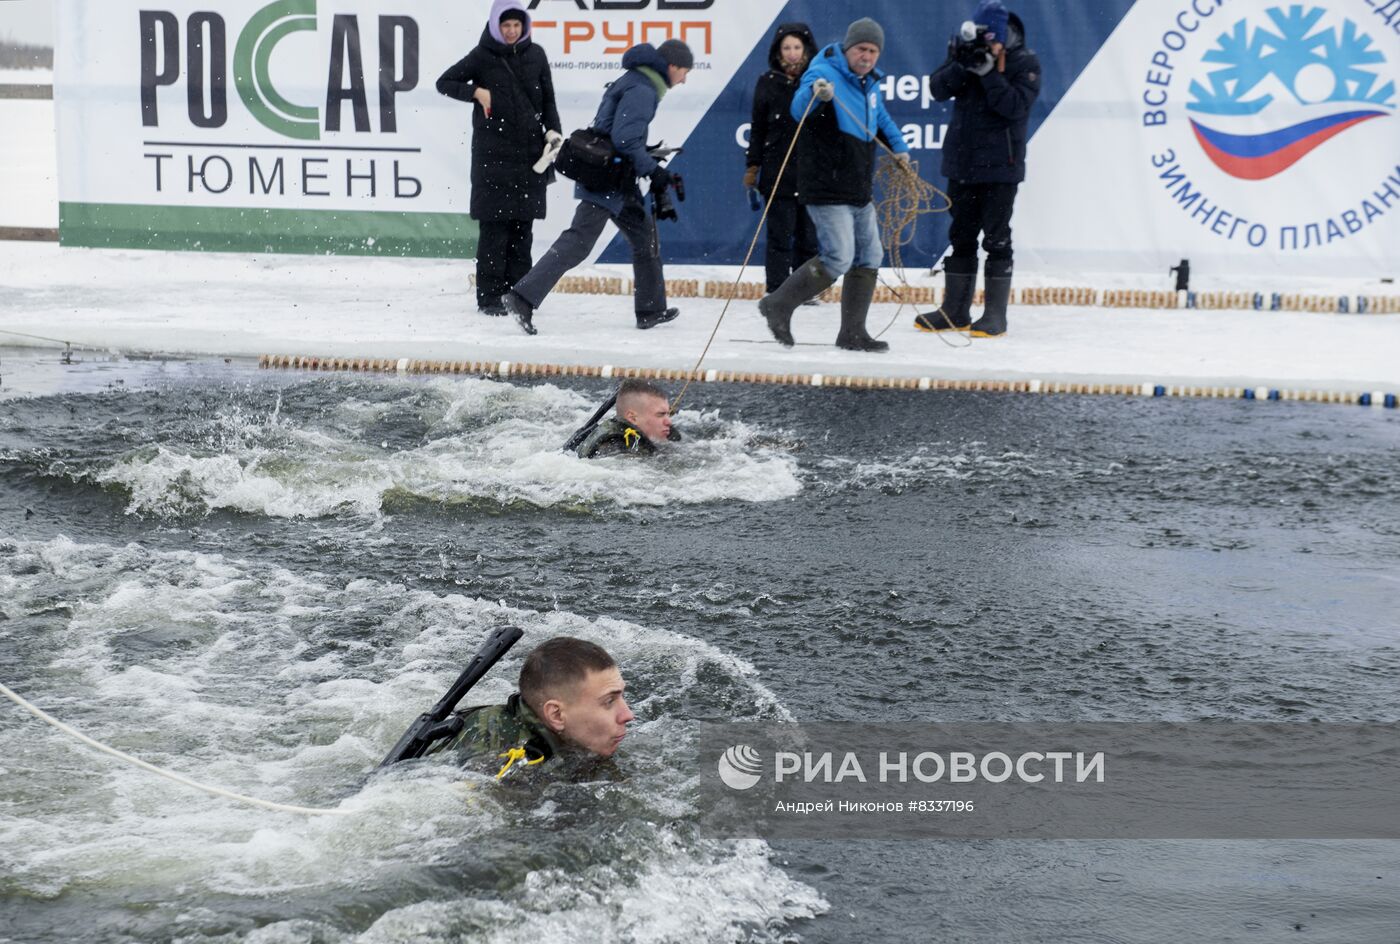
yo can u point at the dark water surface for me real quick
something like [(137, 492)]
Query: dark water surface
[(258, 579)]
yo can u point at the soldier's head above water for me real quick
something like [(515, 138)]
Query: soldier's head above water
[(576, 689), (570, 701), (641, 419), (642, 405)]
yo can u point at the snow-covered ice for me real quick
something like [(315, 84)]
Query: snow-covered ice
[(336, 306)]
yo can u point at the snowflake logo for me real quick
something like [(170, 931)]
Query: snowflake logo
[(1313, 64)]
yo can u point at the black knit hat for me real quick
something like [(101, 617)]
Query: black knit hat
[(677, 53)]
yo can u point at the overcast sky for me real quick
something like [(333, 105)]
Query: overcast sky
[(27, 21)]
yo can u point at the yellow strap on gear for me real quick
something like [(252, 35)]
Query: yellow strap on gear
[(513, 755), (630, 437)]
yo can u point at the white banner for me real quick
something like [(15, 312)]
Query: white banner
[(1252, 136), (242, 124)]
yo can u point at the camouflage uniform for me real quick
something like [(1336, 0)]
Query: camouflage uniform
[(612, 437), (503, 736)]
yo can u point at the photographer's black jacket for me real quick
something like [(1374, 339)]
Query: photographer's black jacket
[(986, 141)]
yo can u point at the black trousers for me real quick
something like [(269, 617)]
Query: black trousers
[(981, 209), (790, 240), (576, 242), (502, 257)]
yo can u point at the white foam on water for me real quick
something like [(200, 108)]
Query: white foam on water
[(290, 687), (672, 900), (486, 441)]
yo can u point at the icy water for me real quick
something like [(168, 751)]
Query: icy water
[(258, 579)]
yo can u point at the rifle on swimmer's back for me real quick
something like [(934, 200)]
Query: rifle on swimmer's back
[(438, 722), (582, 432)]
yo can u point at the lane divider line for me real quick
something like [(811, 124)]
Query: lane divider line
[(1376, 398)]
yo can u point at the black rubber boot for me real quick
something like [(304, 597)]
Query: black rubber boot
[(960, 284), (857, 290), (777, 307), (992, 324)]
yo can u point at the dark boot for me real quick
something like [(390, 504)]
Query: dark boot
[(650, 319), (992, 324), (777, 307), (857, 290), (521, 310), (960, 284)]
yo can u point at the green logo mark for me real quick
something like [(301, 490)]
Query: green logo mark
[(268, 27)]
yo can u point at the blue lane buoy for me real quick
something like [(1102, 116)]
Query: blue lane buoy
[(1275, 301), (1190, 299), (1390, 401), (1258, 301), (1361, 305), (1342, 305), (1159, 391), (1364, 400), (1274, 395), (1249, 393)]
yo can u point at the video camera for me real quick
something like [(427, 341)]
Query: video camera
[(971, 42), (662, 206)]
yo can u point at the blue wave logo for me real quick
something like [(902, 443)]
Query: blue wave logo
[(1327, 77)]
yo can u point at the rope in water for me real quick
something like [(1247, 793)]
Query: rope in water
[(152, 768), (36, 337)]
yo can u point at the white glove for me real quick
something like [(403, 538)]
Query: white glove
[(553, 141), (823, 90), (983, 65)]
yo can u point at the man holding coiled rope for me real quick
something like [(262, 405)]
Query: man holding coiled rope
[(836, 160)]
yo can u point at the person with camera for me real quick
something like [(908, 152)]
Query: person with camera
[(993, 80), (624, 117), (514, 121), (790, 239)]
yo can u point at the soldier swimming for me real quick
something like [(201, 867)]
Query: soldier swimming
[(641, 420), (571, 702)]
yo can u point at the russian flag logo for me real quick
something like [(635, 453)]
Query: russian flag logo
[(1260, 156)]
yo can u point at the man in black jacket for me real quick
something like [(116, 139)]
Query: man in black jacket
[(507, 79), (791, 239), (993, 79)]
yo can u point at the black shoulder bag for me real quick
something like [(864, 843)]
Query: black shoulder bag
[(588, 156)]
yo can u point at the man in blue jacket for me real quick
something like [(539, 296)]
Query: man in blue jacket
[(836, 170), (993, 79), (625, 115)]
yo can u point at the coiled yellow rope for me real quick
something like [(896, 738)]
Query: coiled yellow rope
[(904, 197)]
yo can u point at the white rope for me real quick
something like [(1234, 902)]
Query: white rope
[(215, 791)]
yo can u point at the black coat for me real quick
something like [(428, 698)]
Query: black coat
[(505, 145), (772, 125), (986, 140)]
